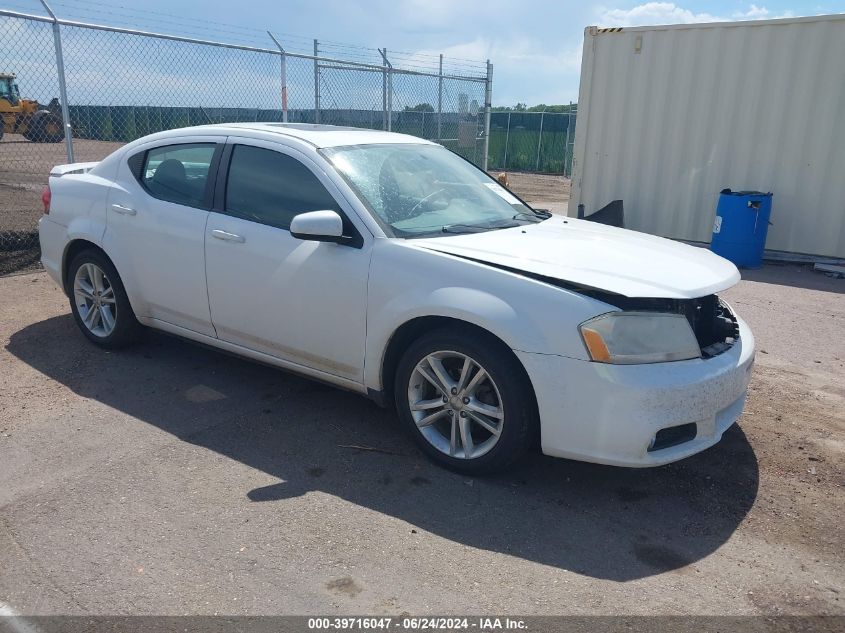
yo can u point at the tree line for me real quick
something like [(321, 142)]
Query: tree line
[(519, 107)]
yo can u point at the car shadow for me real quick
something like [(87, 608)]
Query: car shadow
[(794, 276), (599, 521)]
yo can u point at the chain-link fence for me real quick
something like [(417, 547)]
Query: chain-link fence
[(539, 142), (113, 85)]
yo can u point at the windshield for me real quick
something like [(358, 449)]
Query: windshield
[(8, 89), (420, 190)]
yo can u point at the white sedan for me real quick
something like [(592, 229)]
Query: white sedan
[(389, 266)]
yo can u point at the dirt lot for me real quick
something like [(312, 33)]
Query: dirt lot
[(170, 479), (542, 191), (24, 167)]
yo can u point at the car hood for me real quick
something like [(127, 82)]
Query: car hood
[(593, 255)]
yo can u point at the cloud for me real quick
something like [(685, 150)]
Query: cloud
[(754, 13), (670, 13), (759, 13)]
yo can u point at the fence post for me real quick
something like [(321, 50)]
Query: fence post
[(60, 68), (488, 104), (540, 140), (566, 145), (383, 90), (316, 82), (284, 78), (387, 90), (440, 100), (507, 140)]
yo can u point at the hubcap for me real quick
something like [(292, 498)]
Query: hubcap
[(456, 404), (95, 301)]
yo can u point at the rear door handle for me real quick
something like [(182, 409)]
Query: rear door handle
[(227, 237), (119, 208)]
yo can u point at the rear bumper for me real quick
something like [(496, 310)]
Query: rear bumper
[(610, 414), (52, 237)]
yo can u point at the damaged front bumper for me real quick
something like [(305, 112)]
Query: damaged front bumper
[(612, 414)]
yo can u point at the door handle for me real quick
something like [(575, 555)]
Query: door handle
[(119, 208), (227, 237)]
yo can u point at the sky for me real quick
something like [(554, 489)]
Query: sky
[(535, 46)]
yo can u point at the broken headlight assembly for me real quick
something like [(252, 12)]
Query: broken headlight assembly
[(630, 338)]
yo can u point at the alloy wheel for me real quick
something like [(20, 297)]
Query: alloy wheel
[(456, 404), (95, 300)]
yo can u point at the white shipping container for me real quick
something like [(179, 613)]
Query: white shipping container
[(668, 116)]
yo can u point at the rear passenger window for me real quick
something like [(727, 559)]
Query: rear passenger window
[(178, 173), (270, 187)]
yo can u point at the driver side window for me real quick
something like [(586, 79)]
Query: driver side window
[(272, 188)]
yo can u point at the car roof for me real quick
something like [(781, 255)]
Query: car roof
[(316, 135)]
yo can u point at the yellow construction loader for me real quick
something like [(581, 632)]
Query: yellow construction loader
[(35, 122)]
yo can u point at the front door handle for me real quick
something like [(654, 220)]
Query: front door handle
[(227, 237), (119, 208)]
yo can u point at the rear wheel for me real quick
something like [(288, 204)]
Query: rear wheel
[(466, 401), (99, 303)]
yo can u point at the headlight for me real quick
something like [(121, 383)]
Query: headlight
[(627, 338)]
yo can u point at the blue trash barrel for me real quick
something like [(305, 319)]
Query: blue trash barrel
[(742, 222)]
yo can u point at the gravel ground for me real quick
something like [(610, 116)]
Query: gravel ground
[(24, 167), (170, 479)]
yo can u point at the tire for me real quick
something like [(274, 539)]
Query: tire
[(45, 127), (505, 391), (122, 328)]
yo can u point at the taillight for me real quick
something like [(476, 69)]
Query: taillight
[(46, 196)]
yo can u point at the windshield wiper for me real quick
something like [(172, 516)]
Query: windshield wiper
[(536, 216), (466, 228), (478, 228)]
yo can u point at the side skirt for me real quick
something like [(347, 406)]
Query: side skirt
[(259, 357)]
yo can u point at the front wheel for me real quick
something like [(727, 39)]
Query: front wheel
[(45, 127), (99, 303), (466, 401)]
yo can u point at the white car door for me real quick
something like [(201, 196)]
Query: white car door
[(301, 301), (157, 212)]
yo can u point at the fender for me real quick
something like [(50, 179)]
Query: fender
[(470, 305), (86, 228)]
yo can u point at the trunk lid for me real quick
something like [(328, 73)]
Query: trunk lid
[(72, 168)]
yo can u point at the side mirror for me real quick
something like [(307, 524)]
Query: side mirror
[(317, 226)]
